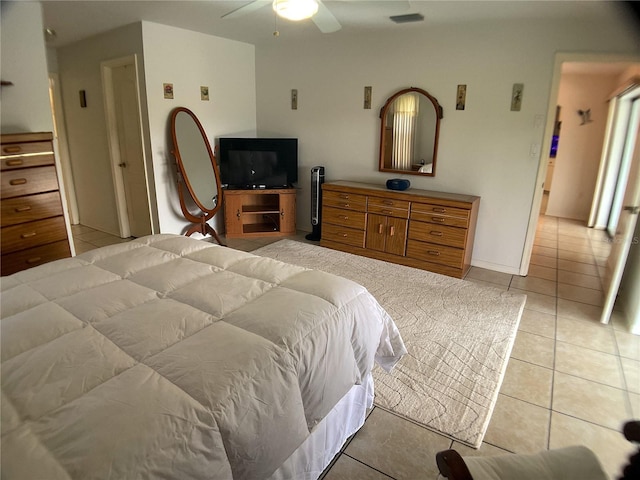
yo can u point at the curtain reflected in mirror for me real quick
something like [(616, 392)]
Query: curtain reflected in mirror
[(198, 171), (410, 122)]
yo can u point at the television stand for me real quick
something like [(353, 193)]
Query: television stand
[(260, 212)]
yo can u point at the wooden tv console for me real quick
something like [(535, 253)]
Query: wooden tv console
[(419, 228), (260, 212)]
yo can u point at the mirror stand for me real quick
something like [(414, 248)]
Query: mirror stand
[(200, 224)]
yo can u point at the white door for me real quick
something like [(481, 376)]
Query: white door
[(131, 161), (628, 216)]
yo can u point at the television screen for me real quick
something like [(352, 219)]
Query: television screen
[(258, 162)]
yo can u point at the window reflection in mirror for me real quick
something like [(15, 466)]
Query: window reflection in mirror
[(410, 124)]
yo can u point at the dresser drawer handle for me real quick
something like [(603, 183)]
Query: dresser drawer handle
[(344, 235), (435, 233), (34, 260), (388, 202), (433, 252), (18, 181), (343, 217), (388, 212), (28, 235), (344, 196), (346, 205), (439, 210), (392, 231), (438, 219), (380, 227), (12, 149), (24, 208), (16, 162)]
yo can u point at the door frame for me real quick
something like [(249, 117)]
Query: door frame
[(559, 59), (106, 68)]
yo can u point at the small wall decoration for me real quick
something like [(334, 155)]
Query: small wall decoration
[(294, 99), (367, 98), (204, 93), (461, 97), (83, 98), (516, 97), (585, 115), (168, 90)]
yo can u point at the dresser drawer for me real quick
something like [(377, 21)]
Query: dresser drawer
[(27, 181), (30, 154), (344, 200), (455, 217), (345, 218), (29, 208), (348, 236), (431, 252), (15, 262), (388, 206), (32, 234), (440, 234)]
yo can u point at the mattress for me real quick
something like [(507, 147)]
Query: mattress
[(171, 357)]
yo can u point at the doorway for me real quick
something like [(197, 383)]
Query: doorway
[(126, 146), (604, 61)]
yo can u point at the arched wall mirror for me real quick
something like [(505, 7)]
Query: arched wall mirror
[(198, 171), (409, 129)]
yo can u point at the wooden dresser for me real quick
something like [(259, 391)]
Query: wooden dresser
[(33, 225), (419, 228)]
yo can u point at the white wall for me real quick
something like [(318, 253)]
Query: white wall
[(79, 69), (580, 146), (25, 105), (190, 60), (484, 149)]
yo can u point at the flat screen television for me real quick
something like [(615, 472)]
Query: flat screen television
[(258, 162)]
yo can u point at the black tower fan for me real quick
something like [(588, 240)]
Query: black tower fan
[(317, 179)]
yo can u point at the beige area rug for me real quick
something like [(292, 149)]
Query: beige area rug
[(458, 335)]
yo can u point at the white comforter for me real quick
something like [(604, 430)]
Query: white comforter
[(168, 357)]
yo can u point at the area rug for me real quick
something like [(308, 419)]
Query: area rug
[(458, 336)]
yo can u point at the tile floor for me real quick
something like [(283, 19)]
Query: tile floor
[(570, 380)]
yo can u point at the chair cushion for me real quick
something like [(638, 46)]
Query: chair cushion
[(570, 463)]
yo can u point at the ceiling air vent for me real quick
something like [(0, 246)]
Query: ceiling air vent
[(408, 18)]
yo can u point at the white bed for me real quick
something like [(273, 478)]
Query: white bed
[(168, 357)]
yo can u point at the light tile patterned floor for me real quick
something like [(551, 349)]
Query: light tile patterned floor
[(570, 379)]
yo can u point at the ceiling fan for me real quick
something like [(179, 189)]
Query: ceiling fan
[(319, 13)]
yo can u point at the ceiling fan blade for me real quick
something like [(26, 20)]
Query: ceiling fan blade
[(246, 8), (325, 20)]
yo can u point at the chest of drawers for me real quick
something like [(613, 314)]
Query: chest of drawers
[(33, 225), (418, 228)]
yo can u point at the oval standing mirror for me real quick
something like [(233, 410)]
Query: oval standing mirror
[(410, 125), (198, 171)]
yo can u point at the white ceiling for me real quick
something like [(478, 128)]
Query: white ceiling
[(76, 20)]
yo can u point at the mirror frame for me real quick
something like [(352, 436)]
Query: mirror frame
[(200, 221), (383, 113)]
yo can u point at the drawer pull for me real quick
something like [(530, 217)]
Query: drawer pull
[(34, 260), (343, 217), (388, 212), (392, 231), (388, 202), (344, 196), (238, 214), (380, 226), (438, 219), (28, 235), (346, 205), (12, 149), (435, 233), (24, 208), (344, 235), (433, 252), (16, 162), (18, 181), (439, 210)]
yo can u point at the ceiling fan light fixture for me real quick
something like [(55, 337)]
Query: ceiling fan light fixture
[(295, 9)]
